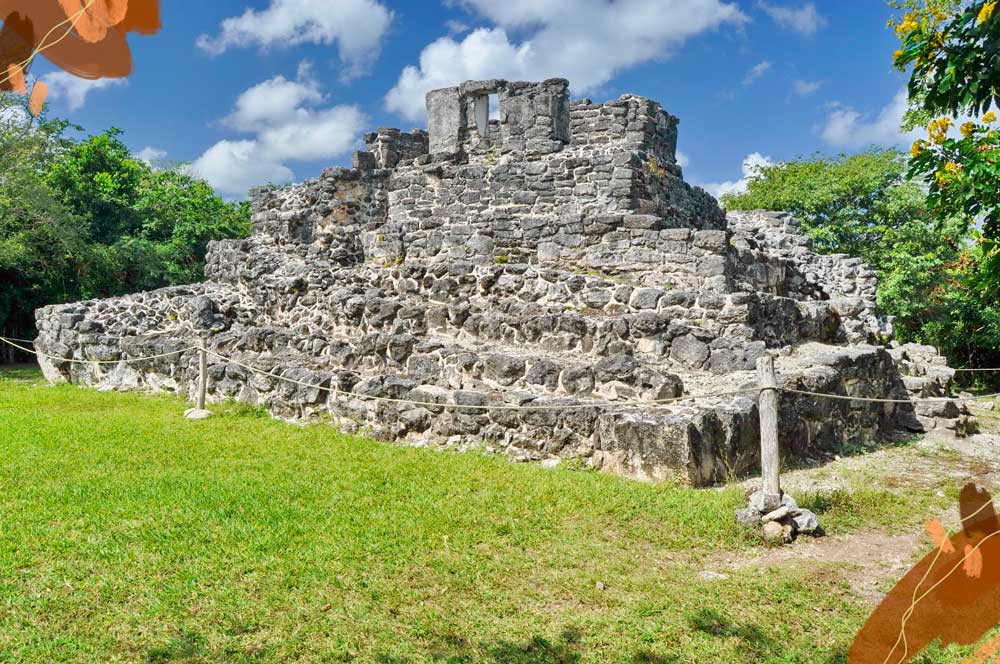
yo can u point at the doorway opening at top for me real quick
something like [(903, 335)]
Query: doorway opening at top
[(487, 108)]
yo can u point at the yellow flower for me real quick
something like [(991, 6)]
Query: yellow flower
[(968, 129), (907, 26), (918, 147), (990, 117), (951, 168), (937, 130), (897, 54), (986, 13)]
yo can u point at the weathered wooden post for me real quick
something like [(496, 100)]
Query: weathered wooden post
[(770, 509), (770, 457), (202, 377), (200, 412)]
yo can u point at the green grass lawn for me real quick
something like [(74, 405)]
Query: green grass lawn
[(128, 533)]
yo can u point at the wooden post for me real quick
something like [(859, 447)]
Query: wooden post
[(770, 459), (202, 377)]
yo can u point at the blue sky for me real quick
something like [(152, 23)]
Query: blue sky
[(279, 89)]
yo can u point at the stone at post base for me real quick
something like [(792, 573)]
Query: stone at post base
[(197, 414), (773, 532), (779, 521), (764, 503)]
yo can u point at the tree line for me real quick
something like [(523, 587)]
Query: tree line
[(84, 218), (930, 271), (928, 220)]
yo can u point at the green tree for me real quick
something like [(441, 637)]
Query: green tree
[(155, 224), (865, 206), (180, 216), (84, 219), (952, 49), (99, 180), (40, 239), (847, 203)]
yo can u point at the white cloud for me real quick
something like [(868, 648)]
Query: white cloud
[(151, 155), (456, 27), (274, 100), (75, 89), (233, 167), (751, 163), (586, 41), (313, 134), (682, 159), (287, 126), (356, 26), (756, 72), (805, 88), (848, 128), (805, 20)]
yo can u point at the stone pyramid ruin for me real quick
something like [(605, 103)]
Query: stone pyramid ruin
[(552, 262)]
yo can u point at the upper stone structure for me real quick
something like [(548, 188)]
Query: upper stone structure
[(552, 257)]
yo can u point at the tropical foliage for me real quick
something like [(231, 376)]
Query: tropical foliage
[(929, 270), (86, 218), (952, 50)]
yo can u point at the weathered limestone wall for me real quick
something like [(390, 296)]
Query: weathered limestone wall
[(699, 442), (629, 124), (608, 191), (773, 256), (329, 211), (385, 148), (534, 117), (553, 259)]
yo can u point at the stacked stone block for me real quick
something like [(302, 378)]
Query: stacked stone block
[(542, 285)]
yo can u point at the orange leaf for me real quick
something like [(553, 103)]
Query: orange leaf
[(88, 23), (116, 10), (38, 96), (973, 565), (940, 536), (15, 78)]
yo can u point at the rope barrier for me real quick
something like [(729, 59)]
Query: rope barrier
[(431, 404), (578, 406), (56, 358), (336, 392), (844, 397)]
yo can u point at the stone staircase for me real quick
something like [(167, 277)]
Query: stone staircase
[(520, 292)]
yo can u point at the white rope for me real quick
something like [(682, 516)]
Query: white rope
[(605, 404), (56, 358), (873, 400), (432, 404), (576, 406)]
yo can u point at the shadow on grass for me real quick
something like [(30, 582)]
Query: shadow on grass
[(753, 641), (21, 372), (185, 646), (566, 649)]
